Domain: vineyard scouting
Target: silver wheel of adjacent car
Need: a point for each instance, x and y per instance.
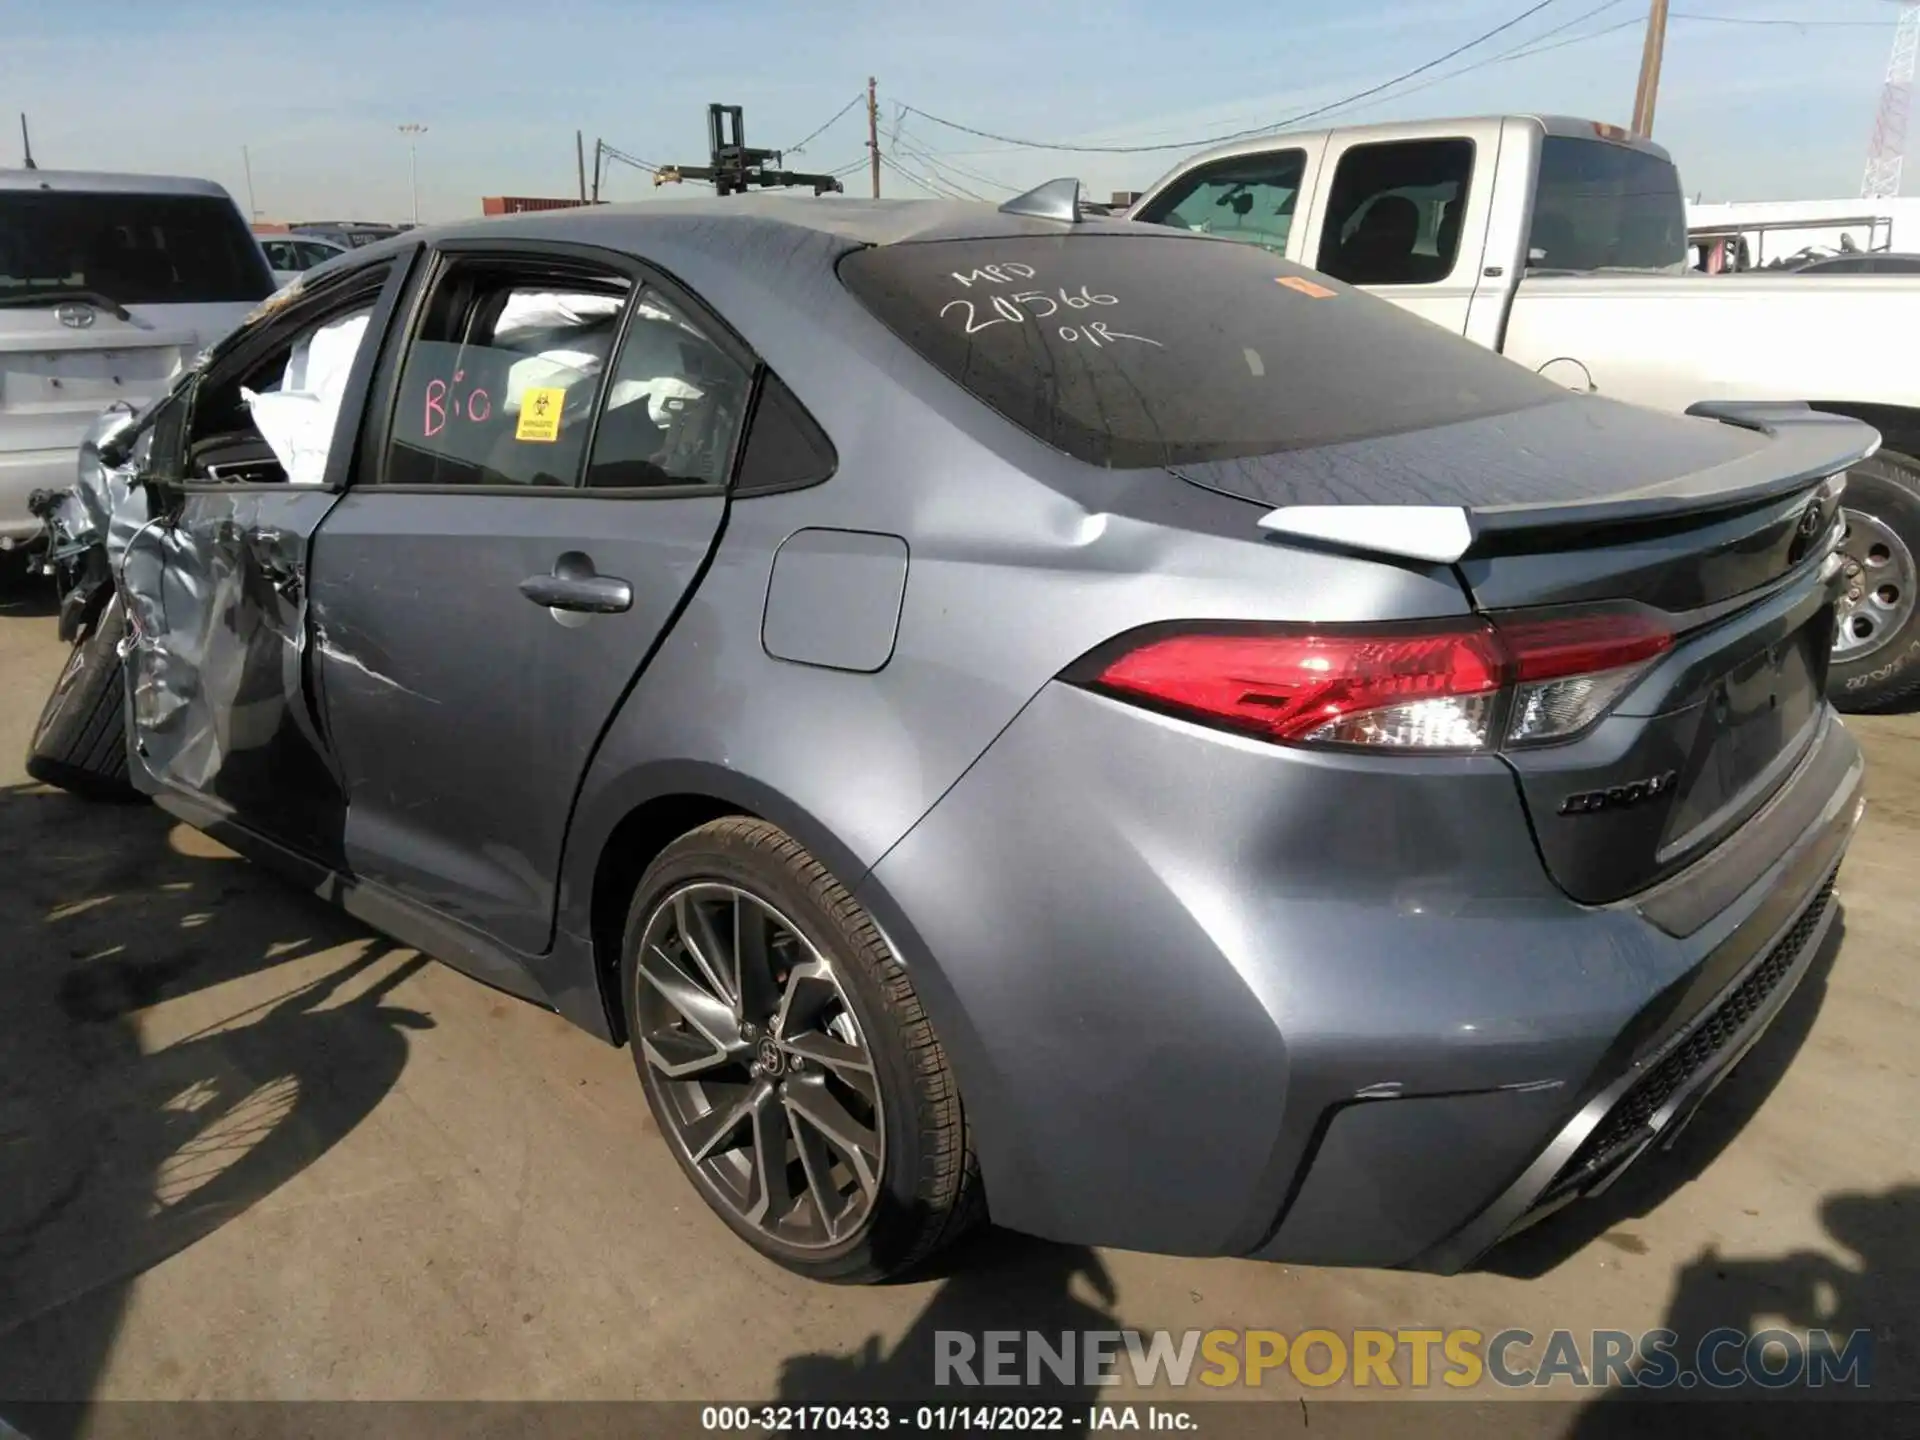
(767, 1081)
(1880, 586)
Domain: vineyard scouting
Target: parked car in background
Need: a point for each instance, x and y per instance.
(294, 255)
(108, 283)
(348, 234)
(1879, 262)
(1007, 705)
(1563, 244)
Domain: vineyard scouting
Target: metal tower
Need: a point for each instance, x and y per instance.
(1888, 153)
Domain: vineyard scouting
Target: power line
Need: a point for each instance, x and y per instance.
(800, 145)
(1526, 47)
(938, 164)
(921, 184)
(624, 158)
(1194, 144)
(1774, 20)
(945, 190)
(1520, 52)
(953, 188)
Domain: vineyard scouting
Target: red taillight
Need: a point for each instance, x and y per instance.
(1452, 685)
(1552, 647)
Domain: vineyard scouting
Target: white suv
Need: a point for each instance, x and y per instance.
(107, 284)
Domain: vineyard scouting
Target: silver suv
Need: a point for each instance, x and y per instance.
(108, 283)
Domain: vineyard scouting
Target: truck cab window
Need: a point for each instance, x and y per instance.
(1394, 211)
(1602, 206)
(1244, 197)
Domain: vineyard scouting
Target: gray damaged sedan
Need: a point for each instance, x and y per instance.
(1003, 708)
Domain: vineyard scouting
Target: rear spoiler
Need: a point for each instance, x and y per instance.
(1807, 446)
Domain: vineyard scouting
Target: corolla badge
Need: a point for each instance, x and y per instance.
(75, 317)
(1617, 797)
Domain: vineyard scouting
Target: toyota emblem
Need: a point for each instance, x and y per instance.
(1812, 524)
(75, 317)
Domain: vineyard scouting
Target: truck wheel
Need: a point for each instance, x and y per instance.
(1876, 652)
(80, 744)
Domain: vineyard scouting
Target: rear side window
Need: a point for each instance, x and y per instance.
(499, 383)
(131, 249)
(1245, 197)
(674, 407)
(1600, 206)
(1394, 212)
(785, 448)
(1134, 350)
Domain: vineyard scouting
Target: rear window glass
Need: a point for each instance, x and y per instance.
(1601, 206)
(1156, 349)
(132, 249)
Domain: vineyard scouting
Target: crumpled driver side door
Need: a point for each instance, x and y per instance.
(210, 556)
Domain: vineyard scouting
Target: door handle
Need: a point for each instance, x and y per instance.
(575, 586)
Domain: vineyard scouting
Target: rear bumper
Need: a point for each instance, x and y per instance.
(21, 473)
(1693, 1035)
(1216, 997)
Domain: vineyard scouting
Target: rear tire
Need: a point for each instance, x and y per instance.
(80, 744)
(1876, 658)
(839, 999)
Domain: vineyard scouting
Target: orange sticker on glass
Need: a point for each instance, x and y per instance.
(1305, 287)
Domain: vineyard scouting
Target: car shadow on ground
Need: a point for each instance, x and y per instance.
(1653, 1179)
(1866, 1299)
(128, 1134)
(24, 593)
(995, 1280)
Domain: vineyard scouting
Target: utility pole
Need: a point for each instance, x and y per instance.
(26, 143)
(580, 162)
(1649, 88)
(253, 210)
(873, 134)
(598, 146)
(413, 133)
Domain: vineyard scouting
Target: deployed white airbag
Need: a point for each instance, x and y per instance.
(298, 419)
(527, 311)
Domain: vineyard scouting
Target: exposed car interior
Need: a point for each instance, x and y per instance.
(466, 408)
(268, 417)
(500, 384)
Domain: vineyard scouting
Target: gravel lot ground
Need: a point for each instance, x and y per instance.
(250, 1150)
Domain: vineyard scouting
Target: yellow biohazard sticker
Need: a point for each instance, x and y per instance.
(540, 415)
(1305, 287)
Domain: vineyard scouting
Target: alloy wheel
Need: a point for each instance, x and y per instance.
(761, 1071)
(1880, 576)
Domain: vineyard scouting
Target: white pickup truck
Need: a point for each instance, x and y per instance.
(1562, 244)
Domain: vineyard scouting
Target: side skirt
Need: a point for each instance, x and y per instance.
(404, 920)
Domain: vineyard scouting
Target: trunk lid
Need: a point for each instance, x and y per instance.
(1725, 532)
(56, 376)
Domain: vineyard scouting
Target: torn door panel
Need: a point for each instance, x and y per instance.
(217, 659)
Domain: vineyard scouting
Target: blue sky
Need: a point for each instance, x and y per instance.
(315, 91)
